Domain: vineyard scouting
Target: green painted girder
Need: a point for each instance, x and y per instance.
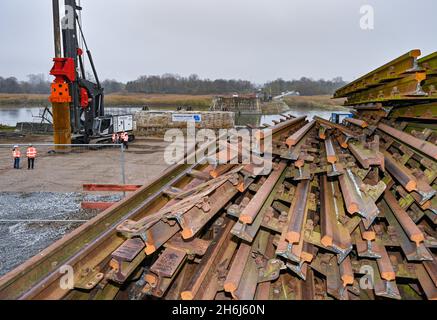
(427, 111)
(430, 85)
(393, 70)
(429, 63)
(406, 88)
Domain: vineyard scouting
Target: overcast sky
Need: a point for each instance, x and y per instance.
(258, 40)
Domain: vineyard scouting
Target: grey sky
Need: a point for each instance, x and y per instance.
(258, 40)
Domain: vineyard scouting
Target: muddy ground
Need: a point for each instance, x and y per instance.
(53, 191)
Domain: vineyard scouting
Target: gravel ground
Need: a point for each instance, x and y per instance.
(54, 191)
(21, 241)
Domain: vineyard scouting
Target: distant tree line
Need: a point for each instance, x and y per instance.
(175, 84)
(36, 83)
(305, 86)
(170, 83)
(112, 86)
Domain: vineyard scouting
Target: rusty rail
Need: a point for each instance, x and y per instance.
(339, 197)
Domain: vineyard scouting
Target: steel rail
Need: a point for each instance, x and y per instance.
(91, 243)
(400, 173)
(345, 130)
(422, 146)
(235, 274)
(407, 88)
(346, 272)
(260, 135)
(251, 211)
(331, 155)
(365, 156)
(31, 281)
(211, 283)
(356, 201)
(195, 282)
(111, 187)
(253, 271)
(298, 135)
(249, 232)
(326, 213)
(297, 212)
(429, 63)
(404, 219)
(384, 265)
(389, 71)
(412, 251)
(359, 123)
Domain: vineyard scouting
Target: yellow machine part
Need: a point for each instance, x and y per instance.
(60, 98)
(61, 125)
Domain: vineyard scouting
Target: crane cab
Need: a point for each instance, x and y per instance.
(107, 125)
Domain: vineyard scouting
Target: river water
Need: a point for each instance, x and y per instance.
(10, 116)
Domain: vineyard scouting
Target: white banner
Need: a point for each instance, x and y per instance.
(187, 118)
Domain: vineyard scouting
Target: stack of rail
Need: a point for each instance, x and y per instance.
(348, 211)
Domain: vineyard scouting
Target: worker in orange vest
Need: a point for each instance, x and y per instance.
(114, 138)
(31, 155)
(125, 140)
(16, 154)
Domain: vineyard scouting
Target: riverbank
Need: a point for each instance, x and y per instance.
(324, 102)
(21, 100)
(5, 128)
(27, 110)
(166, 101)
(161, 101)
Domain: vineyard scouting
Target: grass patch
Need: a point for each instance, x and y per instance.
(164, 101)
(6, 128)
(274, 107)
(159, 100)
(22, 100)
(315, 102)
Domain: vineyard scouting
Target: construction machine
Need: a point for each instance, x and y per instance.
(77, 96)
(339, 117)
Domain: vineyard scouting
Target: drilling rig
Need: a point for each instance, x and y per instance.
(77, 96)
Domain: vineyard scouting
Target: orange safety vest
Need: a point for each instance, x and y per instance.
(31, 153)
(114, 137)
(16, 153)
(126, 137)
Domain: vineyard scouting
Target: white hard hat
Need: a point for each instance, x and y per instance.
(15, 147)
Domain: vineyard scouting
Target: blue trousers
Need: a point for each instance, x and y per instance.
(16, 163)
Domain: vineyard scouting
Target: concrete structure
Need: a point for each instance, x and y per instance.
(237, 103)
(155, 123)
